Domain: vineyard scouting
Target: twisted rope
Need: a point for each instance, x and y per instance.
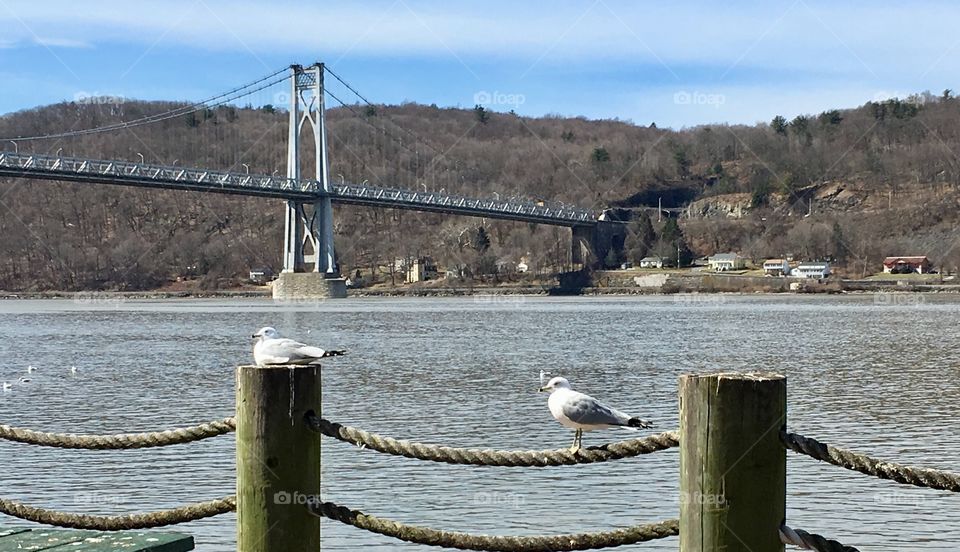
(810, 541)
(488, 457)
(921, 477)
(466, 541)
(183, 514)
(121, 440)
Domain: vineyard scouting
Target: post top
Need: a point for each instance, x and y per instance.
(747, 376)
(277, 366)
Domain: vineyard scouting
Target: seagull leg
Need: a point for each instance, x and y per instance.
(577, 436)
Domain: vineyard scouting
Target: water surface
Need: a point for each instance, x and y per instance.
(877, 375)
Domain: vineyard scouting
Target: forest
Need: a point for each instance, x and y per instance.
(849, 185)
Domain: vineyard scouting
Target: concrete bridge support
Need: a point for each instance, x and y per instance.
(591, 245)
(310, 268)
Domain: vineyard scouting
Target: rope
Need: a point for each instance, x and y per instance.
(122, 440)
(810, 541)
(466, 541)
(921, 477)
(488, 457)
(190, 512)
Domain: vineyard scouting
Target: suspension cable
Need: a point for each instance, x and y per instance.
(213, 101)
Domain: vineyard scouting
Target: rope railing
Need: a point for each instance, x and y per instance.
(467, 541)
(183, 514)
(489, 457)
(120, 440)
(907, 475)
(811, 541)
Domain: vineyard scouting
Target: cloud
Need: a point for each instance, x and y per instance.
(61, 42)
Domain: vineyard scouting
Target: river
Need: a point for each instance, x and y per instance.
(874, 373)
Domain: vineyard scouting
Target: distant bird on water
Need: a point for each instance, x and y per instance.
(23, 380)
(7, 386)
(31, 369)
(585, 413)
(273, 349)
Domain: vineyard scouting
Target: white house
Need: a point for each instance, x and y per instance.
(776, 267)
(653, 262)
(814, 269)
(721, 262)
(522, 267)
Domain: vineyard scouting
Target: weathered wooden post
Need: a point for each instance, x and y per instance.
(278, 458)
(733, 468)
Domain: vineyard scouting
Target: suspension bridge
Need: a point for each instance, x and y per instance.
(310, 265)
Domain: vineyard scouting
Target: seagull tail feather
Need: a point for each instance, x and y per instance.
(339, 352)
(637, 422)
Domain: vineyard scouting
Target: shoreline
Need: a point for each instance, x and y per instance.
(82, 297)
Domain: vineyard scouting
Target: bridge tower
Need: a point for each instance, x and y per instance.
(309, 261)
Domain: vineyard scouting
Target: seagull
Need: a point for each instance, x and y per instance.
(585, 413)
(73, 370)
(30, 369)
(544, 378)
(7, 386)
(273, 349)
(23, 380)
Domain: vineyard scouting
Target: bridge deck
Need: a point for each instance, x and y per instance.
(102, 171)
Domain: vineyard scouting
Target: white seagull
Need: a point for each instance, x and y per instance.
(273, 349)
(7, 386)
(23, 380)
(30, 369)
(585, 413)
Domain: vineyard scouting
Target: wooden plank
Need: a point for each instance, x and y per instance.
(134, 541)
(42, 539)
(19, 539)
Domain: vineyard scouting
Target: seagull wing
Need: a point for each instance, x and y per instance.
(584, 409)
(288, 351)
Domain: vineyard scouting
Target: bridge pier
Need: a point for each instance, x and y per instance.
(310, 268)
(591, 245)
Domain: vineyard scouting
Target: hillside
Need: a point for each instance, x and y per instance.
(853, 185)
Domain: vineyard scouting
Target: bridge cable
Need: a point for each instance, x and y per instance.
(359, 95)
(217, 100)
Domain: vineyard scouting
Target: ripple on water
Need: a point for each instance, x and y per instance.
(875, 378)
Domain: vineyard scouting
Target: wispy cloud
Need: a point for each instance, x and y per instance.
(55, 42)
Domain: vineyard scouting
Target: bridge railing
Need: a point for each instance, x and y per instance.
(102, 168)
(73, 168)
(413, 197)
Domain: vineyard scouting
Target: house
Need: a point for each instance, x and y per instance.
(261, 276)
(906, 265)
(721, 262)
(522, 267)
(776, 267)
(654, 262)
(812, 269)
(421, 269)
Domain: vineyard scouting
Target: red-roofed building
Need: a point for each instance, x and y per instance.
(906, 265)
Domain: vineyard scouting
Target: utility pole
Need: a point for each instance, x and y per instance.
(659, 209)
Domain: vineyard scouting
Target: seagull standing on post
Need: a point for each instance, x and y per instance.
(585, 413)
(273, 349)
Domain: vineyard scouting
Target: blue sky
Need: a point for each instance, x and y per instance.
(678, 64)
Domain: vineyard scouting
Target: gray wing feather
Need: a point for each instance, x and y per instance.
(588, 411)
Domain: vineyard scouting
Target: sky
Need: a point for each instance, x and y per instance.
(678, 64)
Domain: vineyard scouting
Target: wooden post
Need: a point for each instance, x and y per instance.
(733, 468)
(278, 458)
